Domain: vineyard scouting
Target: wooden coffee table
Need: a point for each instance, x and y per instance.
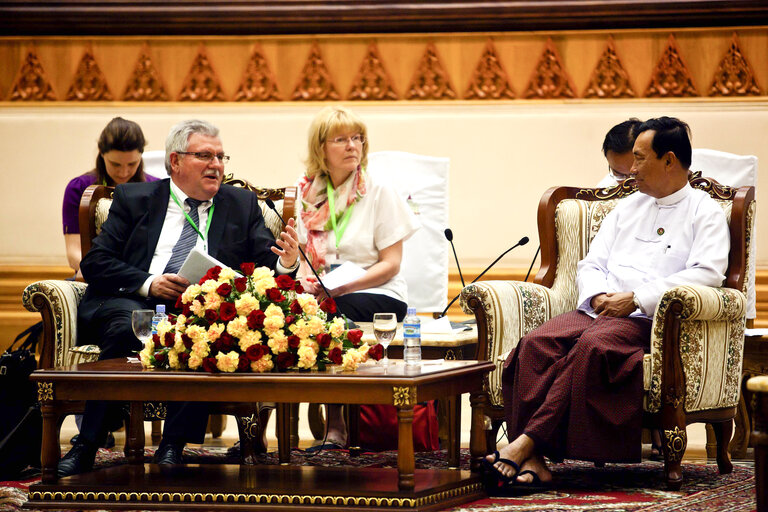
(143, 486)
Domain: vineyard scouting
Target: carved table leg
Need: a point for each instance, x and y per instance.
(477, 441)
(453, 414)
(134, 435)
(406, 463)
(51, 452)
(759, 386)
(284, 432)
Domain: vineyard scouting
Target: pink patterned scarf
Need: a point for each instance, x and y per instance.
(315, 210)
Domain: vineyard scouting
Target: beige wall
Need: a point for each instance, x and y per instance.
(503, 156)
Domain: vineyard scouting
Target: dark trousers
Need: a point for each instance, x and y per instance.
(110, 329)
(360, 307)
(575, 386)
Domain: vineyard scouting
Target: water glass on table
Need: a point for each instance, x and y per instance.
(141, 322)
(384, 328)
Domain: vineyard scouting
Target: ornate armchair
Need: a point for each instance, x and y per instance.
(693, 371)
(57, 302)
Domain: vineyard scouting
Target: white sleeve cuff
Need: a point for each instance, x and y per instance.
(144, 290)
(284, 270)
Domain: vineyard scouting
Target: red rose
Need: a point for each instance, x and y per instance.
(324, 339)
(354, 335)
(275, 295)
(289, 319)
(211, 315)
(168, 341)
(227, 342)
(255, 352)
(247, 268)
(335, 355)
(284, 282)
(209, 364)
(160, 357)
(243, 364)
(183, 357)
(214, 272)
(227, 311)
(256, 319)
(156, 339)
(203, 279)
(201, 299)
(295, 307)
(224, 289)
(328, 305)
(293, 341)
(285, 360)
(297, 286)
(179, 304)
(187, 341)
(241, 283)
(376, 352)
(186, 310)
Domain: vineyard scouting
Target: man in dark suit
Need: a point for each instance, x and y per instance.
(133, 264)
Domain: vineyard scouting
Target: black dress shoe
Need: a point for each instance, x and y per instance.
(78, 460)
(168, 453)
(109, 443)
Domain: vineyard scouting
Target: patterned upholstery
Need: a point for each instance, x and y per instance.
(712, 368)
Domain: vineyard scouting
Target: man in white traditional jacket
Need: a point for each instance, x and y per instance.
(573, 387)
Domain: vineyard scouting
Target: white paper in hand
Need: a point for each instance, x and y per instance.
(197, 264)
(343, 274)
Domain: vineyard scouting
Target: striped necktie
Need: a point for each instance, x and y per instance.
(187, 240)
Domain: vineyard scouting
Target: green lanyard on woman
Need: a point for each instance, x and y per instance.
(191, 222)
(338, 229)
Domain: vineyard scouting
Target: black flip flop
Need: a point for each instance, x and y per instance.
(326, 446)
(493, 480)
(518, 488)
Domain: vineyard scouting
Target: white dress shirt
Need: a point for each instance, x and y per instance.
(647, 245)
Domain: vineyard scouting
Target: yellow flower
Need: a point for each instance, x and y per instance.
(226, 275)
(214, 331)
(261, 285)
(190, 293)
(278, 342)
(273, 311)
(227, 362)
(201, 349)
(197, 333)
(212, 301)
(197, 308)
(299, 328)
(149, 345)
(163, 327)
(237, 326)
(307, 357)
(144, 356)
(209, 286)
(308, 303)
(351, 359)
(248, 339)
(337, 327)
(363, 350)
(315, 325)
(246, 303)
(173, 360)
(264, 364)
(194, 361)
(178, 343)
(181, 324)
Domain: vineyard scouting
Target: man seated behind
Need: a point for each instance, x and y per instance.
(573, 387)
(617, 148)
(134, 262)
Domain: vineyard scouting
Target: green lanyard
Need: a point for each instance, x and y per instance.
(191, 222)
(339, 230)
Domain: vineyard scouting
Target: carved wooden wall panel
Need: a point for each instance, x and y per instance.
(89, 83)
(671, 78)
(734, 76)
(550, 80)
(430, 82)
(31, 84)
(315, 82)
(499, 67)
(489, 80)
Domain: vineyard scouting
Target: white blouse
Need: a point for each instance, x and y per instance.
(647, 245)
(380, 219)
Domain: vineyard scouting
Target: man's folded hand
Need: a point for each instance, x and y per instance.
(614, 304)
(168, 286)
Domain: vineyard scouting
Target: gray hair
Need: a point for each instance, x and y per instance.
(178, 137)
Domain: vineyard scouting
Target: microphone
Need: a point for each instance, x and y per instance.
(520, 242)
(449, 236)
(271, 206)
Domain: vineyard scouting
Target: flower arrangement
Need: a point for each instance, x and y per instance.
(257, 322)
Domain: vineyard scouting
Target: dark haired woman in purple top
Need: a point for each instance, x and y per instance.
(121, 144)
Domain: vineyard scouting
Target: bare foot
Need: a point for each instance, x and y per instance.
(538, 466)
(517, 451)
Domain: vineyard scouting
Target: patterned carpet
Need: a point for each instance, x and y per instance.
(579, 486)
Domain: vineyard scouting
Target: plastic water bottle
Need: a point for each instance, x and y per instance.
(158, 317)
(412, 338)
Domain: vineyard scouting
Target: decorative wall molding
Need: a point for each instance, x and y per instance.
(372, 81)
(145, 83)
(609, 79)
(549, 79)
(489, 80)
(671, 78)
(236, 17)
(734, 76)
(258, 83)
(89, 83)
(31, 84)
(430, 82)
(315, 83)
(201, 83)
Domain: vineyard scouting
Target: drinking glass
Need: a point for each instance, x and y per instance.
(141, 321)
(384, 328)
